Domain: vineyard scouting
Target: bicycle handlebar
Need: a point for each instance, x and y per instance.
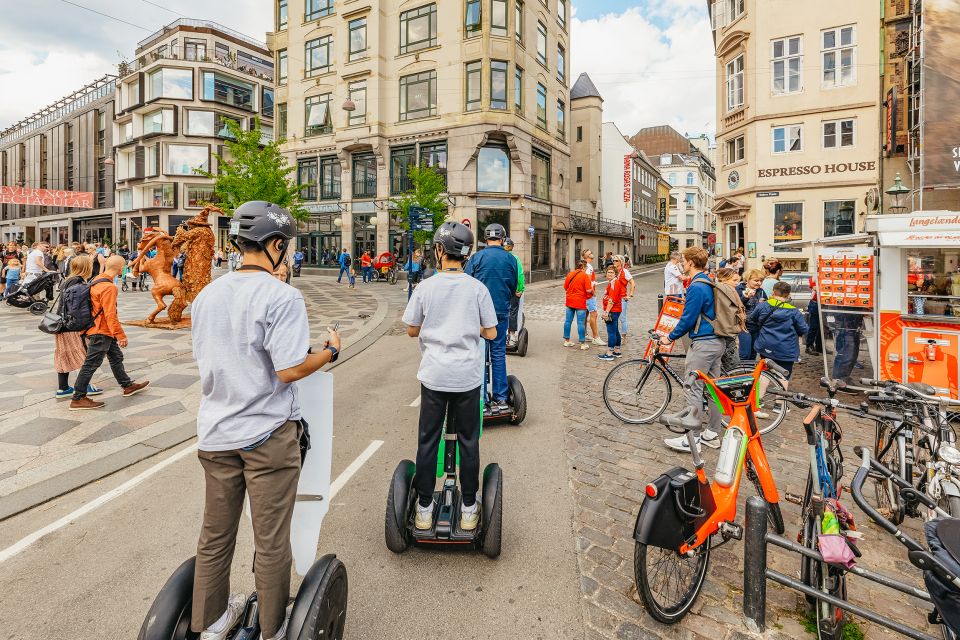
(910, 390)
(803, 400)
(773, 366)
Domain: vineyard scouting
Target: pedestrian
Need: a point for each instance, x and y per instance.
(414, 266)
(97, 258)
(10, 274)
(847, 334)
(588, 258)
(781, 325)
(629, 286)
(352, 275)
(178, 263)
(104, 338)
(773, 272)
(11, 253)
(514, 323)
(673, 276)
(612, 308)
(37, 265)
(607, 260)
(69, 352)
(751, 294)
(67, 258)
(814, 339)
(579, 288)
(219, 255)
(705, 350)
(366, 264)
(729, 279)
(345, 263)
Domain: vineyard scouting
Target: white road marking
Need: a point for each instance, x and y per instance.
(415, 403)
(347, 473)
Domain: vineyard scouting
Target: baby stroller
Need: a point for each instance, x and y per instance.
(32, 295)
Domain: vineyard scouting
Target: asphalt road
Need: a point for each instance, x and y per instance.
(96, 577)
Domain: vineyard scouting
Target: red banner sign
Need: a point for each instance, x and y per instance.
(627, 178)
(46, 197)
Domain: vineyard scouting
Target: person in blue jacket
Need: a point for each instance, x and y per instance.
(497, 270)
(344, 262)
(780, 326)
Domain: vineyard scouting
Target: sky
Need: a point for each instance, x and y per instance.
(652, 60)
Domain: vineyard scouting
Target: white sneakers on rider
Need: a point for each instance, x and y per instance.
(682, 444)
(469, 516)
(222, 627)
(424, 519)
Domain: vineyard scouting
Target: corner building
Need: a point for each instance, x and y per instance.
(798, 88)
(477, 89)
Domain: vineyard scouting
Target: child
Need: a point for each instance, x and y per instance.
(612, 307)
(728, 277)
(780, 325)
(11, 273)
(452, 314)
(751, 295)
(352, 274)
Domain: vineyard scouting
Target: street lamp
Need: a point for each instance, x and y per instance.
(338, 222)
(897, 191)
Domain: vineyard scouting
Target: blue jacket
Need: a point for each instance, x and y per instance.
(698, 301)
(780, 324)
(496, 269)
(342, 260)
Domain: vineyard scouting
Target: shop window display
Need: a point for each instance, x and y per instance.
(933, 282)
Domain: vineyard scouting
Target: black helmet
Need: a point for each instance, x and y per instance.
(258, 221)
(495, 232)
(455, 238)
(508, 243)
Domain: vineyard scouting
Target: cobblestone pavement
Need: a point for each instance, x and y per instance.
(610, 464)
(46, 450)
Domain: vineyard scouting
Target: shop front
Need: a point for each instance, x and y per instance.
(365, 228)
(320, 239)
(55, 232)
(92, 230)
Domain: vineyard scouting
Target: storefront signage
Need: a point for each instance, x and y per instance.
(627, 178)
(322, 208)
(890, 134)
(364, 207)
(493, 203)
(46, 197)
(768, 194)
(817, 169)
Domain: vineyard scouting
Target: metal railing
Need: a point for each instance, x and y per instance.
(600, 226)
(365, 188)
(204, 24)
(196, 54)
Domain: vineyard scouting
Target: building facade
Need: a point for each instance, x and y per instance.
(797, 123)
(477, 90)
(173, 101)
(646, 208)
(66, 147)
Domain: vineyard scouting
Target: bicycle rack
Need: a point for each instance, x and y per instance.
(756, 573)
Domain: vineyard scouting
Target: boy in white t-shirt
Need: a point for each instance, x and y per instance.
(587, 256)
(452, 314)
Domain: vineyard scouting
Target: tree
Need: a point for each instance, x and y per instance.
(255, 171)
(427, 185)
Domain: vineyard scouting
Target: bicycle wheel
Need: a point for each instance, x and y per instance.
(667, 582)
(774, 515)
(889, 503)
(775, 408)
(637, 391)
(826, 579)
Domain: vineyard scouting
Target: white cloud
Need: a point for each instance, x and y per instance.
(652, 67)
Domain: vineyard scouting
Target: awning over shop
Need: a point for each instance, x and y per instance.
(930, 239)
(844, 241)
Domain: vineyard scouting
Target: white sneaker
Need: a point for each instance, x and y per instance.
(761, 415)
(681, 444)
(568, 344)
(469, 516)
(584, 346)
(220, 629)
(598, 341)
(710, 438)
(424, 519)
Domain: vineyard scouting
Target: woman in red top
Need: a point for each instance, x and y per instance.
(366, 262)
(612, 308)
(579, 289)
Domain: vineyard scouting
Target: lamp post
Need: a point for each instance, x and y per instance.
(897, 191)
(115, 216)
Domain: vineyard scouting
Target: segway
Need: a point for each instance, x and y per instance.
(516, 400)
(518, 346)
(320, 607)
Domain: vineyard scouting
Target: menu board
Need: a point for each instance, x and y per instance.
(846, 277)
(667, 322)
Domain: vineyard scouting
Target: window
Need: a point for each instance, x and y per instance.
(182, 159)
(201, 123)
(541, 106)
(673, 180)
(418, 95)
(281, 15)
(735, 150)
(358, 94)
(282, 121)
(282, 66)
(838, 134)
(317, 9)
(194, 49)
(473, 18)
(734, 9)
(151, 161)
(418, 28)
(434, 155)
(579, 174)
(493, 170)
(266, 102)
(220, 124)
(540, 175)
(691, 222)
(159, 121)
(358, 38)
(579, 134)
(221, 51)
(930, 276)
(540, 242)
(562, 119)
(689, 199)
(199, 195)
(317, 114)
(170, 83)
(161, 196)
(330, 178)
(364, 175)
(474, 92)
(562, 13)
(498, 84)
(839, 57)
(787, 65)
(788, 138)
(498, 17)
(690, 178)
(307, 179)
(735, 83)
(125, 200)
(518, 90)
(318, 55)
(400, 162)
(227, 90)
(561, 64)
(787, 223)
(542, 43)
(838, 217)
(518, 21)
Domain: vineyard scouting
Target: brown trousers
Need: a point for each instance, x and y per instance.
(269, 474)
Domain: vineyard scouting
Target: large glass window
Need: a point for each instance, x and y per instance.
(358, 94)
(125, 200)
(735, 83)
(518, 20)
(282, 66)
(787, 65)
(307, 179)
(418, 95)
(498, 17)
(542, 43)
(498, 84)
(281, 15)
(317, 9)
(933, 287)
(541, 106)
(161, 196)
(183, 159)
(838, 134)
(200, 195)
(540, 175)
(266, 103)
(317, 114)
(473, 19)
(735, 9)
(418, 28)
(358, 38)
(226, 90)
(330, 178)
(561, 64)
(788, 138)
(562, 119)
(434, 155)
(194, 49)
(493, 170)
(401, 159)
(474, 82)
(518, 90)
(735, 150)
(838, 217)
(151, 161)
(318, 55)
(364, 175)
(159, 121)
(839, 57)
(787, 223)
(282, 121)
(170, 83)
(562, 13)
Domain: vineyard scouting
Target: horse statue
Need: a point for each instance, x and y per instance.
(197, 242)
(160, 267)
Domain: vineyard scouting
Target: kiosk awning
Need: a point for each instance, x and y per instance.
(923, 239)
(846, 240)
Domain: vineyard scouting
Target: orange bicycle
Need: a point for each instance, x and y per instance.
(683, 509)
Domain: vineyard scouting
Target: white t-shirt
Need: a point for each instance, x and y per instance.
(593, 277)
(672, 280)
(246, 327)
(32, 266)
(450, 309)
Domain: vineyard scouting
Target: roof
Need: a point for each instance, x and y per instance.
(584, 88)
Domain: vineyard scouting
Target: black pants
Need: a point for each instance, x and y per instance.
(514, 313)
(814, 340)
(462, 412)
(99, 346)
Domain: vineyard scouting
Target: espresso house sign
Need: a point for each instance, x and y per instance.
(818, 169)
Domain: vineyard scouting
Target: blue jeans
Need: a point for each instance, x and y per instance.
(623, 318)
(498, 360)
(367, 274)
(343, 270)
(614, 340)
(581, 323)
(847, 346)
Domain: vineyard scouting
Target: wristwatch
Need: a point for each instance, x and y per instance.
(334, 351)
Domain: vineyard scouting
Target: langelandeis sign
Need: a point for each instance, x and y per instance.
(46, 197)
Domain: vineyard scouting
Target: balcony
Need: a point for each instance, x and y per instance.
(364, 188)
(597, 226)
(245, 65)
(400, 184)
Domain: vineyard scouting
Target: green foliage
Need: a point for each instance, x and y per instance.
(851, 631)
(254, 172)
(426, 188)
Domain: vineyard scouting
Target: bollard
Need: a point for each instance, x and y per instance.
(755, 564)
(659, 303)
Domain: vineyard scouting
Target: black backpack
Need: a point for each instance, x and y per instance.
(76, 308)
(348, 261)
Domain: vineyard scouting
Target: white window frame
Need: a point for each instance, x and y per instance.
(836, 53)
(735, 9)
(785, 59)
(735, 82)
(732, 158)
(787, 129)
(838, 135)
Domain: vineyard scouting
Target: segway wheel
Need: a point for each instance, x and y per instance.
(523, 339)
(517, 400)
(492, 510)
(399, 499)
(320, 608)
(169, 615)
(38, 308)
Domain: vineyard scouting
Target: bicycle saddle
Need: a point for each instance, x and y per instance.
(920, 387)
(684, 419)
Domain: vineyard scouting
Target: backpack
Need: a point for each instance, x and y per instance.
(76, 307)
(347, 261)
(731, 317)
